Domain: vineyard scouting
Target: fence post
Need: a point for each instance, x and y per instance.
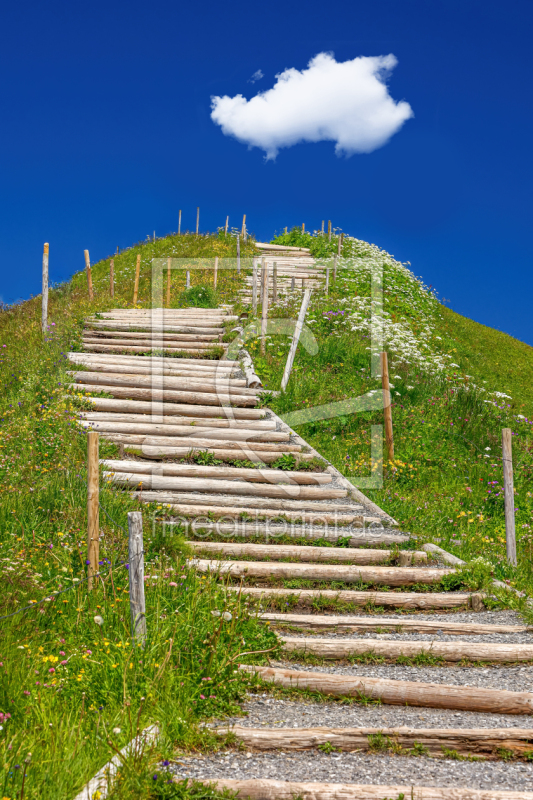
(507, 453)
(238, 254)
(89, 276)
(216, 273)
(327, 280)
(322, 227)
(254, 288)
(295, 339)
(293, 283)
(197, 219)
(243, 231)
(275, 283)
(334, 268)
(264, 309)
(303, 227)
(93, 507)
(44, 306)
(329, 230)
(168, 281)
(112, 277)
(387, 406)
(136, 574)
(137, 273)
(339, 245)
(226, 226)
(179, 222)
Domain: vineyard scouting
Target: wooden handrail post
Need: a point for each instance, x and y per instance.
(89, 276)
(179, 222)
(93, 508)
(275, 283)
(197, 220)
(339, 245)
(226, 226)
(169, 262)
(254, 287)
(215, 277)
(264, 308)
(136, 576)
(387, 406)
(44, 306)
(508, 486)
(112, 277)
(238, 254)
(322, 228)
(303, 227)
(187, 279)
(295, 339)
(137, 273)
(329, 230)
(243, 231)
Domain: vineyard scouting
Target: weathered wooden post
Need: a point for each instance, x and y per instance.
(327, 280)
(44, 305)
(334, 268)
(197, 220)
(137, 273)
(275, 283)
(136, 574)
(93, 508)
(216, 273)
(339, 245)
(264, 308)
(168, 281)
(329, 230)
(508, 486)
(303, 227)
(179, 222)
(89, 276)
(187, 279)
(293, 283)
(112, 277)
(387, 406)
(254, 288)
(238, 254)
(226, 226)
(295, 339)
(243, 231)
(322, 228)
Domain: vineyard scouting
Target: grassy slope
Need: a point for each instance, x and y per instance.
(439, 482)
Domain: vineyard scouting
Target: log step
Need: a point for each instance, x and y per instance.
(154, 381)
(317, 512)
(465, 741)
(270, 531)
(388, 576)
(258, 456)
(391, 692)
(229, 487)
(159, 419)
(166, 396)
(201, 365)
(192, 432)
(244, 447)
(164, 371)
(131, 336)
(129, 348)
(421, 601)
(449, 651)
(269, 789)
(322, 622)
(192, 411)
(193, 328)
(274, 552)
(227, 473)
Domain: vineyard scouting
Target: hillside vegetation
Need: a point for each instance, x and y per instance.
(73, 687)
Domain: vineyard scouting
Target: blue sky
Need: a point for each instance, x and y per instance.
(106, 133)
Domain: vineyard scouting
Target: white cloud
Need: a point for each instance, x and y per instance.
(344, 102)
(256, 76)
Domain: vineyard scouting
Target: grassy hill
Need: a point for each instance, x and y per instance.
(456, 385)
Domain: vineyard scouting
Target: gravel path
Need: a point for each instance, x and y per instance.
(358, 768)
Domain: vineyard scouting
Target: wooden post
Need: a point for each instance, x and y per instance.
(93, 508)
(238, 255)
(188, 279)
(275, 283)
(112, 277)
(327, 280)
(254, 288)
(137, 273)
(334, 268)
(329, 230)
(44, 306)
(387, 406)
(303, 227)
(303, 284)
(243, 231)
(264, 308)
(197, 220)
(262, 278)
(216, 273)
(295, 339)
(168, 281)
(89, 276)
(154, 236)
(179, 222)
(285, 229)
(293, 284)
(339, 245)
(507, 454)
(322, 227)
(136, 575)
(226, 226)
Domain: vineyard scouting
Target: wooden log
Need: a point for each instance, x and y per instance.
(295, 339)
(465, 741)
(409, 600)
(166, 371)
(130, 348)
(174, 409)
(89, 276)
(202, 508)
(137, 273)
(240, 446)
(449, 651)
(136, 577)
(319, 510)
(150, 343)
(310, 553)
(228, 473)
(265, 425)
(388, 576)
(204, 366)
(271, 531)
(139, 327)
(389, 624)
(156, 381)
(169, 396)
(403, 693)
(507, 458)
(229, 487)
(262, 457)
(270, 789)
(387, 411)
(142, 336)
(191, 431)
(253, 381)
